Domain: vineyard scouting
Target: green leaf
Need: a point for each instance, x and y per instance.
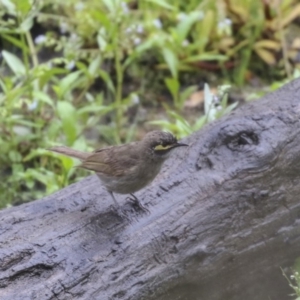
(185, 25)
(165, 125)
(107, 79)
(173, 86)
(18, 168)
(67, 114)
(95, 66)
(94, 109)
(10, 6)
(171, 60)
(183, 127)
(43, 97)
(23, 6)
(230, 108)
(46, 75)
(186, 93)
(205, 29)
(110, 5)
(67, 162)
(209, 107)
(178, 117)
(205, 57)
(53, 130)
(162, 3)
(102, 43)
(27, 24)
(27, 123)
(36, 153)
(67, 82)
(14, 156)
(138, 51)
(14, 63)
(199, 123)
(102, 18)
(15, 41)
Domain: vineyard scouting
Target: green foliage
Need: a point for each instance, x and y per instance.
(97, 48)
(294, 283)
(214, 108)
(273, 87)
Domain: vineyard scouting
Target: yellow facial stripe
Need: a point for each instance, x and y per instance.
(161, 147)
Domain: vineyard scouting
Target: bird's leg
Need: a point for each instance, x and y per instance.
(114, 199)
(136, 201)
(118, 208)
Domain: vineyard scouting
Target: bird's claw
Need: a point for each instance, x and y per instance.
(122, 213)
(135, 201)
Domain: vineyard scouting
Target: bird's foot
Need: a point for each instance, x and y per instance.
(122, 213)
(118, 209)
(135, 201)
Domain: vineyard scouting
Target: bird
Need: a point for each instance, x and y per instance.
(127, 168)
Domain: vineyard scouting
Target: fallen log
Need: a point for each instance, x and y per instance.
(224, 218)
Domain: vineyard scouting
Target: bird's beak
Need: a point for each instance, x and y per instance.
(180, 145)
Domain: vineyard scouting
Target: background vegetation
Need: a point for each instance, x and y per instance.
(91, 73)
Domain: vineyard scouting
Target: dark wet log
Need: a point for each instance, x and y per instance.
(225, 217)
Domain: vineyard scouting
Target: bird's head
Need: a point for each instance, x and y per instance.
(161, 143)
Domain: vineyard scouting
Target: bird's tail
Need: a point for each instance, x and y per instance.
(70, 152)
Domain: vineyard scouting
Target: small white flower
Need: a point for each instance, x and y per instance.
(216, 99)
(129, 29)
(137, 41)
(157, 23)
(135, 99)
(224, 27)
(201, 15)
(40, 39)
(63, 26)
(185, 43)
(33, 105)
(125, 7)
(228, 21)
(224, 23)
(181, 16)
(79, 6)
(74, 37)
(139, 28)
(70, 65)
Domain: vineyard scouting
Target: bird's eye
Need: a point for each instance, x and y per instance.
(162, 147)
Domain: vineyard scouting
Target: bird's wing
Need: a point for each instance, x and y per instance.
(113, 161)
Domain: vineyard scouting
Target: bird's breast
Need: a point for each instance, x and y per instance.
(134, 179)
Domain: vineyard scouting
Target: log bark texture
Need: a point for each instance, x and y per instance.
(224, 218)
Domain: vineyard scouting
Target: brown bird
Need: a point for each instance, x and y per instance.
(127, 168)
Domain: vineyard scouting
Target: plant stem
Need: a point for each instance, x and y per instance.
(25, 56)
(32, 49)
(119, 85)
(283, 43)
